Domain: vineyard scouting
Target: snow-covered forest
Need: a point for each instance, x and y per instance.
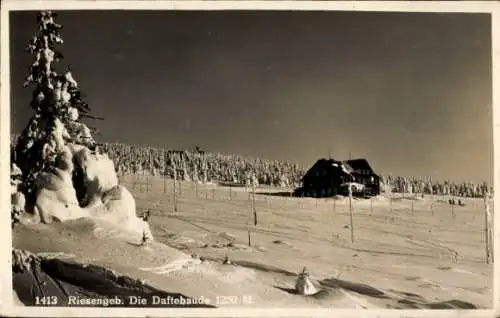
(211, 166)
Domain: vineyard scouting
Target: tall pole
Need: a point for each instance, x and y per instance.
(350, 214)
(164, 171)
(183, 171)
(253, 202)
(254, 209)
(175, 194)
(149, 184)
(487, 229)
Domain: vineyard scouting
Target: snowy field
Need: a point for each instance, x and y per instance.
(423, 246)
(408, 252)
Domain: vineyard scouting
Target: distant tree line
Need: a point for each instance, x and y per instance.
(196, 165)
(428, 186)
(200, 166)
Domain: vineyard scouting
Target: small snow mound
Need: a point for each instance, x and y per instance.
(304, 285)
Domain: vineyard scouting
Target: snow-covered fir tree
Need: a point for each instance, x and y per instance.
(57, 104)
(185, 173)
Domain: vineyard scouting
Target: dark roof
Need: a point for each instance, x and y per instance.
(327, 163)
(324, 164)
(358, 165)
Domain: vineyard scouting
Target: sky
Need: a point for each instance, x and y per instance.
(410, 92)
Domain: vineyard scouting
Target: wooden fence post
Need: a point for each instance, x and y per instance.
(350, 214)
(175, 192)
(487, 230)
(151, 168)
(253, 204)
(180, 186)
(254, 212)
(165, 172)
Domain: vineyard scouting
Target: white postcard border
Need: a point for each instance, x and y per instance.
(6, 305)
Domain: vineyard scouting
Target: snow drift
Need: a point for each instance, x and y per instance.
(103, 198)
